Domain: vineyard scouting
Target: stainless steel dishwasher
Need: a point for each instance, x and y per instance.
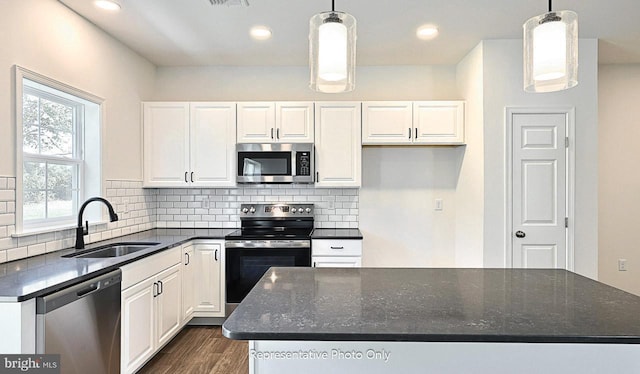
(82, 324)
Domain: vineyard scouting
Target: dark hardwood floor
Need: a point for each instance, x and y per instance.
(200, 349)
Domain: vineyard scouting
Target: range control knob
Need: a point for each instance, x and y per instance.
(245, 210)
(252, 210)
(293, 210)
(308, 210)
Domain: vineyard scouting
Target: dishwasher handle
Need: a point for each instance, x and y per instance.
(48, 303)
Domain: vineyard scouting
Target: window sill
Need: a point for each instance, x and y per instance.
(46, 230)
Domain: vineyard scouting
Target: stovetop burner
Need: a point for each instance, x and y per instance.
(274, 221)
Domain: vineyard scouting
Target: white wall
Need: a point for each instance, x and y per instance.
(470, 189)
(46, 37)
(619, 180)
(280, 83)
(503, 88)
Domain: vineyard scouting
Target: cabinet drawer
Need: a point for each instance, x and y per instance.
(140, 270)
(321, 247)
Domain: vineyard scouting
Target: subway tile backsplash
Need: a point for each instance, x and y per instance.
(219, 208)
(142, 209)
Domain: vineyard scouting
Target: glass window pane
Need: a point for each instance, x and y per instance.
(60, 205)
(56, 129)
(34, 205)
(34, 176)
(30, 125)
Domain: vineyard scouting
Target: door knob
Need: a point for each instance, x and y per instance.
(520, 234)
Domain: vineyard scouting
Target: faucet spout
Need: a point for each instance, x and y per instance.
(82, 231)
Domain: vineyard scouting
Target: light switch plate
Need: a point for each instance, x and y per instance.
(438, 204)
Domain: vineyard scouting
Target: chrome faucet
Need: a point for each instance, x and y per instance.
(82, 231)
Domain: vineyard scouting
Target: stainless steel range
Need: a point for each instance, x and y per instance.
(270, 235)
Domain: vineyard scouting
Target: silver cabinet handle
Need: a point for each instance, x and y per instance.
(185, 177)
(155, 289)
(416, 137)
(215, 255)
(278, 133)
(188, 259)
(520, 234)
(332, 247)
(191, 177)
(161, 288)
(314, 264)
(272, 133)
(409, 132)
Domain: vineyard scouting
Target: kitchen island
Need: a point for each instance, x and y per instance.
(379, 320)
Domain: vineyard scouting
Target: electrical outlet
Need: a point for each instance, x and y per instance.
(622, 264)
(205, 202)
(438, 204)
(331, 204)
(125, 206)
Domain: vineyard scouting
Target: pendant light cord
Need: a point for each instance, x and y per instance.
(550, 5)
(333, 5)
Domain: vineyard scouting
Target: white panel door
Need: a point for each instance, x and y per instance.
(256, 122)
(294, 122)
(337, 262)
(213, 144)
(438, 122)
(539, 190)
(169, 303)
(188, 283)
(166, 144)
(338, 144)
(138, 325)
(208, 296)
(387, 122)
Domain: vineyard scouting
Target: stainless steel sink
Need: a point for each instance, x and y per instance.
(113, 250)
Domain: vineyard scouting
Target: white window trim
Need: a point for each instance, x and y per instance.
(21, 74)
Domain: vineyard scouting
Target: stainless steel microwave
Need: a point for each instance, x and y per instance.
(275, 163)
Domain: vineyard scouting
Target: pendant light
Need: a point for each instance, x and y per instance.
(332, 51)
(551, 51)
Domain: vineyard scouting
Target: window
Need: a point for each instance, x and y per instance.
(59, 156)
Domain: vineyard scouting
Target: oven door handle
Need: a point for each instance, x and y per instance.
(267, 244)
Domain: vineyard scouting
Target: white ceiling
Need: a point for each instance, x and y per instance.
(193, 32)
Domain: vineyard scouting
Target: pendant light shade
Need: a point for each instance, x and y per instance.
(332, 52)
(551, 51)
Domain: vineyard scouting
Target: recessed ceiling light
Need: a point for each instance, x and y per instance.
(260, 32)
(427, 32)
(110, 5)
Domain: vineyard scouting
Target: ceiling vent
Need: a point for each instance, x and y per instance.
(244, 3)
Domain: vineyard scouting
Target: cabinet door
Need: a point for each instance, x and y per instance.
(256, 122)
(208, 295)
(338, 144)
(138, 325)
(337, 262)
(169, 304)
(213, 144)
(188, 283)
(294, 122)
(166, 144)
(438, 122)
(387, 122)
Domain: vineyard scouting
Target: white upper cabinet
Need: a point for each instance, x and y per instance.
(189, 144)
(338, 144)
(438, 122)
(419, 122)
(213, 144)
(166, 144)
(268, 122)
(387, 122)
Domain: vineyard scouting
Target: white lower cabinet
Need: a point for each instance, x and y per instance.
(151, 307)
(336, 253)
(188, 282)
(209, 278)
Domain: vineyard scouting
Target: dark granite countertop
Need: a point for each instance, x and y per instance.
(435, 305)
(336, 234)
(39, 275)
